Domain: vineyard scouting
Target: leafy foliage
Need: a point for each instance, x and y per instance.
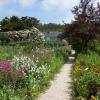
(29, 72)
(51, 27)
(85, 70)
(15, 23)
(32, 35)
(85, 27)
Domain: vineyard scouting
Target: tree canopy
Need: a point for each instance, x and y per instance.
(86, 25)
(15, 23)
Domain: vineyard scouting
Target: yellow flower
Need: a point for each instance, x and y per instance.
(93, 98)
(77, 69)
(84, 99)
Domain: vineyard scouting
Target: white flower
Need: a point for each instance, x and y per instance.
(86, 69)
(31, 67)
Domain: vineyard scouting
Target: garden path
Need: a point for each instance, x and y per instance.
(60, 86)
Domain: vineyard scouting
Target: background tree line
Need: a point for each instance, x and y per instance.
(15, 23)
(51, 27)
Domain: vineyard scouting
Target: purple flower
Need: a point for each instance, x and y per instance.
(5, 65)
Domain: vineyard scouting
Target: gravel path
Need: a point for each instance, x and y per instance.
(60, 86)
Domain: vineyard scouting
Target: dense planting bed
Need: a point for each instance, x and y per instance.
(25, 71)
(86, 71)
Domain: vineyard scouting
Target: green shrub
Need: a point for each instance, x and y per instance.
(7, 52)
(53, 43)
(94, 45)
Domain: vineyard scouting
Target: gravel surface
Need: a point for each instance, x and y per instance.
(60, 86)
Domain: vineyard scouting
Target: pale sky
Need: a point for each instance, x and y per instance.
(45, 10)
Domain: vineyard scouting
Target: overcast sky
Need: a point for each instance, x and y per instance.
(45, 10)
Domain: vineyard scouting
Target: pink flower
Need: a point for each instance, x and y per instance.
(22, 69)
(5, 65)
